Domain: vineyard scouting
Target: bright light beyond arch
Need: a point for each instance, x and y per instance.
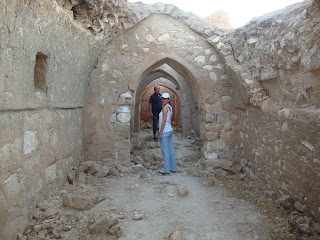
(240, 12)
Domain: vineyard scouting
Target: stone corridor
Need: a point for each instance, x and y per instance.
(73, 74)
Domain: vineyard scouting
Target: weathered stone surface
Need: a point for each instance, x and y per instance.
(82, 178)
(286, 202)
(300, 206)
(175, 236)
(137, 216)
(103, 171)
(316, 227)
(265, 73)
(81, 197)
(182, 191)
(123, 117)
(101, 225)
(30, 142)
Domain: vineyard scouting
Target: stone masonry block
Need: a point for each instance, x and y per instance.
(212, 127)
(223, 119)
(13, 188)
(32, 163)
(32, 185)
(51, 172)
(209, 117)
(123, 117)
(216, 145)
(8, 150)
(124, 109)
(122, 144)
(122, 127)
(210, 155)
(30, 142)
(211, 136)
(122, 154)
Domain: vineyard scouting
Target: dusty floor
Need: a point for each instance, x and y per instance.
(179, 202)
(148, 205)
(207, 212)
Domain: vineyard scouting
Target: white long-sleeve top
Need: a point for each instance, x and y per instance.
(167, 126)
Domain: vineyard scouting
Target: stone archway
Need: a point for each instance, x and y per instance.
(165, 86)
(170, 69)
(136, 58)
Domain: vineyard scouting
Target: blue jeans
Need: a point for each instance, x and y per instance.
(168, 153)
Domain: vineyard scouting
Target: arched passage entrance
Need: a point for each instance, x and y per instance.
(133, 61)
(170, 70)
(165, 86)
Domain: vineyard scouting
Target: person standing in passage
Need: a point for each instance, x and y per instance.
(155, 107)
(165, 136)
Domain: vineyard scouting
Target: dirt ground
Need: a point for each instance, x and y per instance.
(143, 204)
(194, 206)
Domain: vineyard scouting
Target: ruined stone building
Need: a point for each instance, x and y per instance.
(72, 76)
(219, 19)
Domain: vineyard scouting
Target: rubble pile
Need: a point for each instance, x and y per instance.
(285, 217)
(152, 162)
(89, 170)
(63, 215)
(51, 220)
(66, 215)
(145, 125)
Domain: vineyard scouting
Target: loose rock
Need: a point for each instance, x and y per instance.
(182, 191)
(175, 236)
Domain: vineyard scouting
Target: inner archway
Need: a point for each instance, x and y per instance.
(188, 115)
(146, 117)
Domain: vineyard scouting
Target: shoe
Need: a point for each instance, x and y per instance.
(173, 171)
(162, 172)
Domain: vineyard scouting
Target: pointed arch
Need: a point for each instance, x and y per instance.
(175, 64)
(182, 76)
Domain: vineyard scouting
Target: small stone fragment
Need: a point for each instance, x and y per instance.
(137, 217)
(143, 175)
(81, 178)
(175, 236)
(211, 181)
(304, 228)
(300, 207)
(101, 225)
(182, 191)
(121, 216)
(286, 202)
(103, 171)
(316, 227)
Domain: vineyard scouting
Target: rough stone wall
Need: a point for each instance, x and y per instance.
(276, 58)
(135, 54)
(257, 90)
(100, 16)
(40, 122)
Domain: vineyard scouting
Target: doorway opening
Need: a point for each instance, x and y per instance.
(173, 78)
(146, 117)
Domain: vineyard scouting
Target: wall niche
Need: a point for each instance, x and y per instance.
(40, 72)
